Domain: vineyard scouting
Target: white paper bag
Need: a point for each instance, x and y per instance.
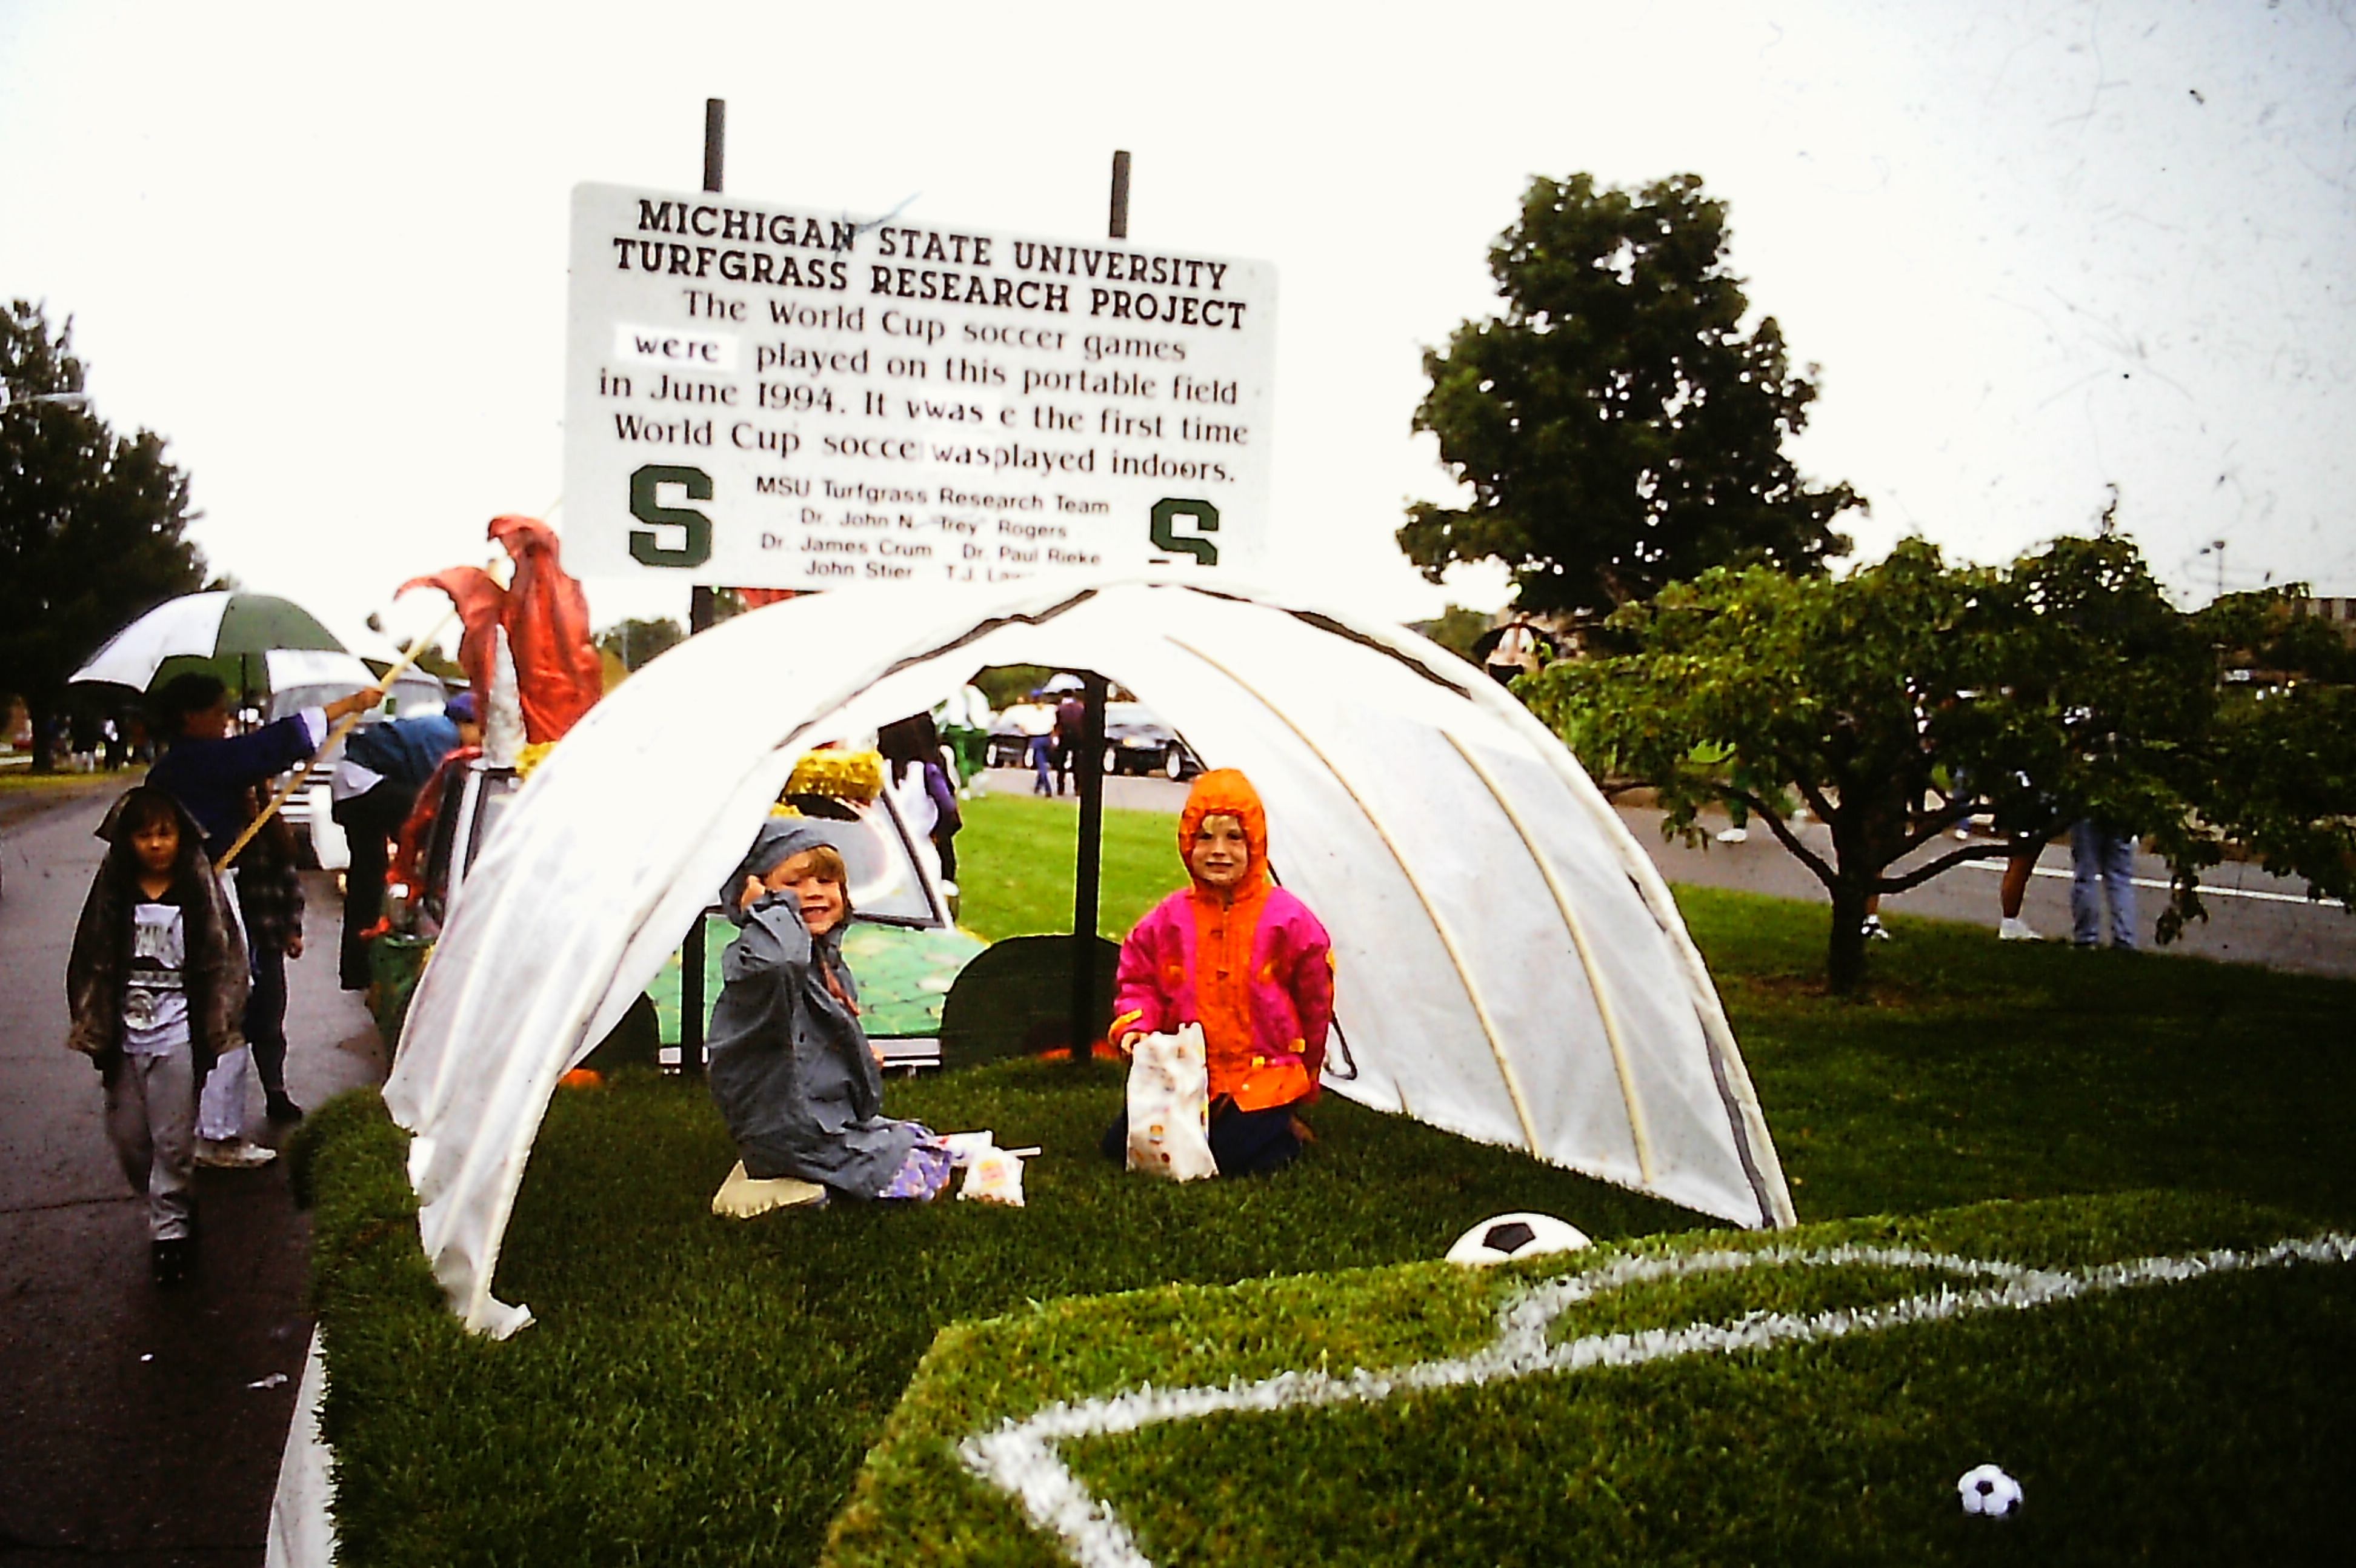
(995, 1176)
(1170, 1106)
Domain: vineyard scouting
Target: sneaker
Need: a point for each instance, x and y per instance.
(233, 1154)
(169, 1261)
(1874, 930)
(1734, 835)
(282, 1108)
(2016, 929)
(741, 1196)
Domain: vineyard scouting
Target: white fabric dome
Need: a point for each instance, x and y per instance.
(1509, 964)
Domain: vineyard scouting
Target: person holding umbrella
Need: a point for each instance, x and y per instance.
(211, 773)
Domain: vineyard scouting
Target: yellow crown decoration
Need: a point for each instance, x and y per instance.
(844, 775)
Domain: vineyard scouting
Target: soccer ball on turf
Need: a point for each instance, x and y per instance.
(1510, 1236)
(1989, 1492)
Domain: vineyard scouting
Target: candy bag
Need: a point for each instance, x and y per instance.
(1170, 1106)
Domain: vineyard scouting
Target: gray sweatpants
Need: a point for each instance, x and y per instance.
(151, 1115)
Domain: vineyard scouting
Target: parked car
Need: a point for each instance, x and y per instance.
(1135, 743)
(1010, 742)
(1138, 742)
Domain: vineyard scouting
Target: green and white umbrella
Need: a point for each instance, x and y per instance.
(253, 643)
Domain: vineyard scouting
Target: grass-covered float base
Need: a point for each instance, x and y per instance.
(700, 1390)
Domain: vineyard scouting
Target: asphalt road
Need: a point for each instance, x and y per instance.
(2253, 918)
(130, 1430)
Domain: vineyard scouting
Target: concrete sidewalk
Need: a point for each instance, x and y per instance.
(132, 1433)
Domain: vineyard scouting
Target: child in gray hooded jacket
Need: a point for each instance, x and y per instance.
(790, 1068)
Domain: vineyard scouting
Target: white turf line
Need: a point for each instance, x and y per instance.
(1020, 1458)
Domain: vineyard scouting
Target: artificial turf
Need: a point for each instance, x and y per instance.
(2202, 1421)
(703, 1392)
(700, 1390)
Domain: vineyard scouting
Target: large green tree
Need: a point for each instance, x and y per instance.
(1618, 427)
(636, 641)
(92, 525)
(1899, 700)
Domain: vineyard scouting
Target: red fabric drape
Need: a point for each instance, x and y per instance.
(558, 675)
(547, 618)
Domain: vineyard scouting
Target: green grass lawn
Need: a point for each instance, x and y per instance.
(1975, 1068)
(1016, 860)
(704, 1391)
(24, 781)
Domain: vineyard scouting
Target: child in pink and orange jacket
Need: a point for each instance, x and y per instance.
(1248, 962)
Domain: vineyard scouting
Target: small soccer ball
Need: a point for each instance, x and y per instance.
(1509, 1236)
(1989, 1492)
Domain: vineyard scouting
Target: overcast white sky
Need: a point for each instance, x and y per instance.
(2038, 249)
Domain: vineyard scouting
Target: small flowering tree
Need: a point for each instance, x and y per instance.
(1900, 699)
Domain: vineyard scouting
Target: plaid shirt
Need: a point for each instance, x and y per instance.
(269, 888)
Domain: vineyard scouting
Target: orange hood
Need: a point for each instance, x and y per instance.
(1225, 791)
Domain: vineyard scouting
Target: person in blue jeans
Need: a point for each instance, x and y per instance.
(1043, 764)
(2101, 870)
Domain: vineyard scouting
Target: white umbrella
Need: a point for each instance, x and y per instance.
(252, 641)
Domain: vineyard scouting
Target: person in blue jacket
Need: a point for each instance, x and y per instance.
(375, 786)
(211, 773)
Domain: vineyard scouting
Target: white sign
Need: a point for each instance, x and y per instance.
(769, 397)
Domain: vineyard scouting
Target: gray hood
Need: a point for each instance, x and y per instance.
(780, 838)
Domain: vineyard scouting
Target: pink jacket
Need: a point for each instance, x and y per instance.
(1290, 996)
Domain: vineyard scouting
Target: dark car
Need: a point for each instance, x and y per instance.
(1138, 742)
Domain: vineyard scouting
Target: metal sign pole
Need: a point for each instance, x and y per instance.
(1088, 870)
(1089, 768)
(699, 619)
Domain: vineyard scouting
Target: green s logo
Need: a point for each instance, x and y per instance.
(1166, 513)
(646, 545)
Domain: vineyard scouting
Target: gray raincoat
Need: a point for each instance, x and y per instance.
(790, 1067)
